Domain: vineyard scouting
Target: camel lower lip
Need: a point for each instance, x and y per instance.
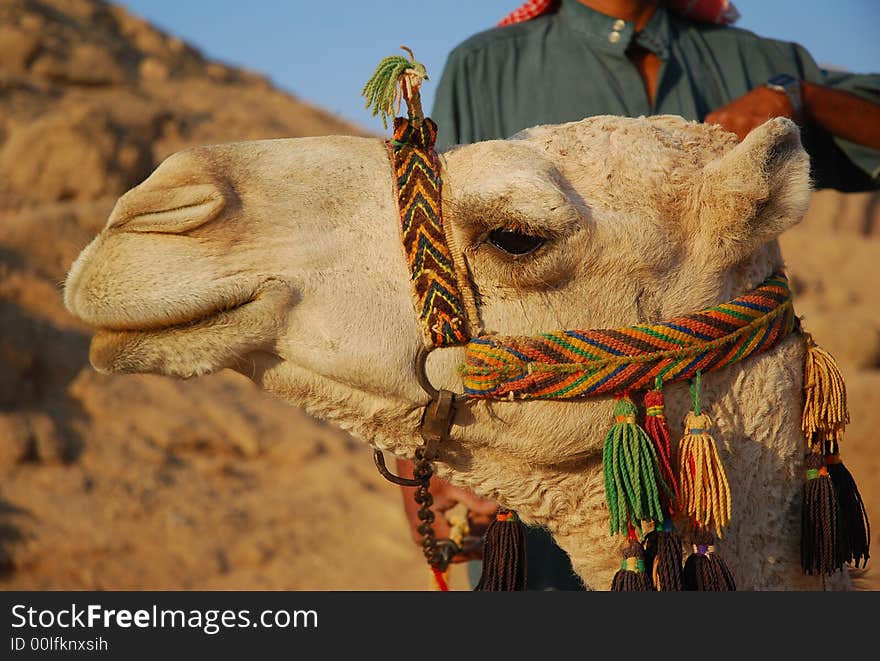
(217, 340)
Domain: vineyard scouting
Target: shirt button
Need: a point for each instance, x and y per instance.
(614, 37)
(619, 24)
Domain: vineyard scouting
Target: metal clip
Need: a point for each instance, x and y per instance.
(438, 414)
(436, 422)
(379, 459)
(434, 427)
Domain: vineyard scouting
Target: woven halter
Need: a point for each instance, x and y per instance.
(566, 363)
(572, 363)
(646, 483)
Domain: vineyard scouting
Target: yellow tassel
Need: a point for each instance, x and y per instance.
(705, 493)
(825, 410)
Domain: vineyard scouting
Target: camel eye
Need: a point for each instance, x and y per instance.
(515, 243)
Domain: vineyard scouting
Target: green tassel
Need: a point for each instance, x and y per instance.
(384, 89)
(629, 462)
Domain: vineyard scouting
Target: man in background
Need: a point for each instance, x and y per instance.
(555, 61)
(639, 57)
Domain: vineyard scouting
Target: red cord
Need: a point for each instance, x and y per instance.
(441, 580)
(631, 532)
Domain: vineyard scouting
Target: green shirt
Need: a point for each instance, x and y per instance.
(572, 64)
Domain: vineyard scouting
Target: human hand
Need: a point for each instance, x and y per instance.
(446, 496)
(751, 110)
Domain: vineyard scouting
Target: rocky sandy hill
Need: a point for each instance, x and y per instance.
(141, 482)
(147, 482)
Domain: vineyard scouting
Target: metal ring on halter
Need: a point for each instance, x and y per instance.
(437, 418)
(422, 373)
(434, 426)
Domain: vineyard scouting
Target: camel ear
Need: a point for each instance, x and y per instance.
(754, 192)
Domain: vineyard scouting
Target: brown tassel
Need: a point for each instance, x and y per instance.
(705, 570)
(504, 557)
(657, 429)
(663, 558)
(855, 529)
(631, 577)
(821, 541)
(825, 410)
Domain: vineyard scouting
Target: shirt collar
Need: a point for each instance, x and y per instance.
(614, 34)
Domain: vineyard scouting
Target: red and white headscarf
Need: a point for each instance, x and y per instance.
(720, 12)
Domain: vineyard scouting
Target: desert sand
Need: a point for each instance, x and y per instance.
(146, 482)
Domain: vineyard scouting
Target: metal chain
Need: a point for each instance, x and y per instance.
(423, 470)
(438, 552)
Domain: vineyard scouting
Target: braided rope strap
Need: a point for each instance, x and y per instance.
(574, 363)
(438, 299)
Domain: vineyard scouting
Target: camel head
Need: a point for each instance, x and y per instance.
(282, 259)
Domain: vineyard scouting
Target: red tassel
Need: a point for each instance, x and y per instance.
(658, 431)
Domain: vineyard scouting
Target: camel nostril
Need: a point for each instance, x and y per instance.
(174, 210)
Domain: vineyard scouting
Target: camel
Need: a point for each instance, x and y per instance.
(282, 260)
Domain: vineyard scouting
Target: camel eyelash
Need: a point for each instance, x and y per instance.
(489, 227)
(513, 242)
(483, 217)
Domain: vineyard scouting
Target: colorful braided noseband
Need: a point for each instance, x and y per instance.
(651, 485)
(573, 363)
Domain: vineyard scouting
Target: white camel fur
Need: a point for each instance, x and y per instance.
(282, 259)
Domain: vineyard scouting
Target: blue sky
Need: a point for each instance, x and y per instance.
(323, 52)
